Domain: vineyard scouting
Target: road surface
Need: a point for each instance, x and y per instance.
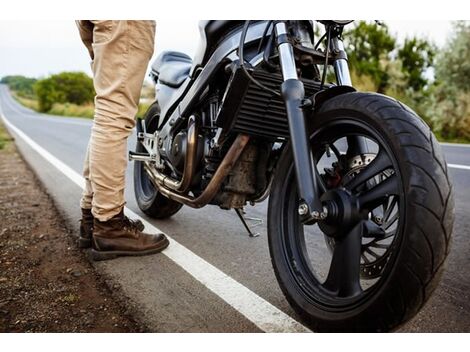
(219, 279)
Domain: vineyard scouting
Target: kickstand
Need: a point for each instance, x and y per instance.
(243, 219)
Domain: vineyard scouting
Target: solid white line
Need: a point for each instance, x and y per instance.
(457, 145)
(458, 166)
(259, 311)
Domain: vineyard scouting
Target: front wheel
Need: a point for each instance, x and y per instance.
(377, 273)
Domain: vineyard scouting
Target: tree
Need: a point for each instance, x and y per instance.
(20, 84)
(453, 65)
(450, 104)
(368, 46)
(417, 56)
(65, 87)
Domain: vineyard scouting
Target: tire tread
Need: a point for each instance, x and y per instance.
(425, 247)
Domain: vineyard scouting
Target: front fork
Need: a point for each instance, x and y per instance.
(356, 145)
(293, 92)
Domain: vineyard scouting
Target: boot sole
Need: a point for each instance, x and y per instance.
(96, 255)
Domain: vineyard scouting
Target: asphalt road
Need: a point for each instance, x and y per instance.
(167, 297)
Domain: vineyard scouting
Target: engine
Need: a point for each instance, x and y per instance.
(221, 117)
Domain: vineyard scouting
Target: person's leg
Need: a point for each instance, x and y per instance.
(122, 50)
(87, 194)
(86, 223)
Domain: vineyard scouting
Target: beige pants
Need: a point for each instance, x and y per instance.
(120, 51)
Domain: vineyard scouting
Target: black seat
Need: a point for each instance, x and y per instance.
(172, 68)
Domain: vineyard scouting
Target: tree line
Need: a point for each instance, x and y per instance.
(435, 82)
(65, 87)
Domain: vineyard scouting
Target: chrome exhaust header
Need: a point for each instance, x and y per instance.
(164, 183)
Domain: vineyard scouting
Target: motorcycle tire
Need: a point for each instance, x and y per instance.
(423, 226)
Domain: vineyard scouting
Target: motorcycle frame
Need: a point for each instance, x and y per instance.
(293, 93)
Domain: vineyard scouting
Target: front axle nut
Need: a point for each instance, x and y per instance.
(303, 209)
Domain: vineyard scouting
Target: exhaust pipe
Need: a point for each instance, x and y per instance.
(182, 185)
(162, 182)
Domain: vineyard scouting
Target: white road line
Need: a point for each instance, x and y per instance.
(458, 166)
(259, 311)
(456, 145)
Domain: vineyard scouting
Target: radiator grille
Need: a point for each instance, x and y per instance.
(263, 114)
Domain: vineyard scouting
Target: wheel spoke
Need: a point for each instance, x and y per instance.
(366, 261)
(378, 245)
(389, 209)
(380, 163)
(375, 255)
(344, 274)
(391, 221)
(377, 195)
(356, 145)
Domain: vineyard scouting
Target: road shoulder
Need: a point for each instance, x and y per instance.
(46, 284)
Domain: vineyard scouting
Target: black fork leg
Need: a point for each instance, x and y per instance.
(293, 93)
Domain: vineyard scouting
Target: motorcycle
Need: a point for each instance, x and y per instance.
(252, 116)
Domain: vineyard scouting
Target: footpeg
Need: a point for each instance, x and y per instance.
(135, 156)
(256, 222)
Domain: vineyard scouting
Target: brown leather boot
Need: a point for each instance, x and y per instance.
(86, 228)
(120, 236)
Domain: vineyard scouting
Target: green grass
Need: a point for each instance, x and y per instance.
(27, 102)
(73, 110)
(5, 138)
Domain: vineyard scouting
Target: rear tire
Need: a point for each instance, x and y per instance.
(415, 267)
(149, 200)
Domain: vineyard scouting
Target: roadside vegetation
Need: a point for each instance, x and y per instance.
(4, 137)
(435, 82)
(63, 94)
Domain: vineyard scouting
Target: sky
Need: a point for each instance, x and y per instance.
(41, 48)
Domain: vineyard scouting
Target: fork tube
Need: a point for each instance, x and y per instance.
(356, 144)
(286, 54)
(293, 93)
(343, 77)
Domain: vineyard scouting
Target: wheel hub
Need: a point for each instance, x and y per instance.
(343, 212)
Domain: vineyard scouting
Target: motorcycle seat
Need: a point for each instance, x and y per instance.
(172, 68)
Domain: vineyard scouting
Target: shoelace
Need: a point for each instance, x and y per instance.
(133, 224)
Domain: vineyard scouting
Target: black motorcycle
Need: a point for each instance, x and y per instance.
(360, 205)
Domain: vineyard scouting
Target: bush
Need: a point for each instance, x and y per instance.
(66, 87)
(20, 84)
